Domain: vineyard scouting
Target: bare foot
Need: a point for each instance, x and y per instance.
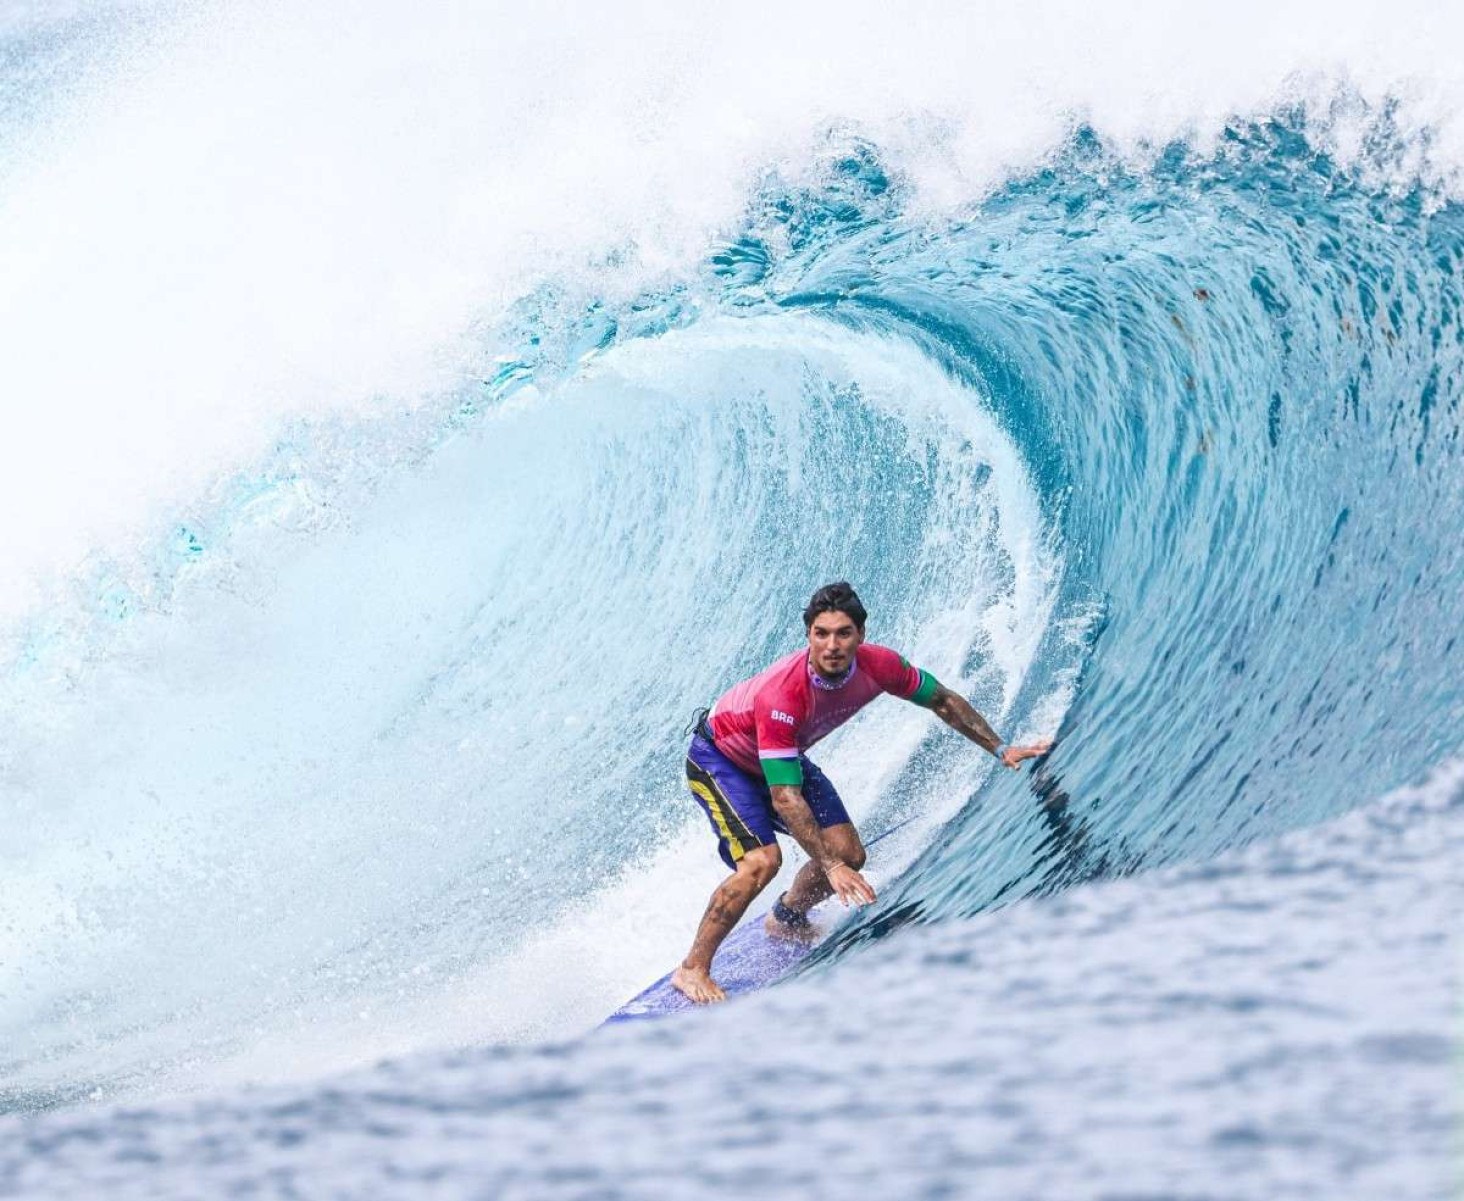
(776, 929)
(697, 984)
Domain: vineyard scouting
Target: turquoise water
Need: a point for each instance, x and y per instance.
(1276, 1022)
(371, 747)
(1237, 382)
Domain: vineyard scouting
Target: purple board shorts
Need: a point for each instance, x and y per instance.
(740, 805)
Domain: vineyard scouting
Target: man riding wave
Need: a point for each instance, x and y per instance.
(747, 769)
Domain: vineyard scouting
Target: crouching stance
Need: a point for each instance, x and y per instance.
(747, 770)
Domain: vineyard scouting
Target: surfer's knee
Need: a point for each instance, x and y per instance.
(761, 864)
(856, 856)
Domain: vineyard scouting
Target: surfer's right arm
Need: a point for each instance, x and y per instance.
(778, 721)
(848, 885)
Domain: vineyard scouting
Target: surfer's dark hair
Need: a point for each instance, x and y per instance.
(835, 598)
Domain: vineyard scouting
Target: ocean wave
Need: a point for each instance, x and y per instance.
(1158, 457)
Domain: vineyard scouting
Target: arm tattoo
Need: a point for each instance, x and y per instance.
(956, 711)
(798, 817)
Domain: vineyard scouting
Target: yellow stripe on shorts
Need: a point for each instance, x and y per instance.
(715, 808)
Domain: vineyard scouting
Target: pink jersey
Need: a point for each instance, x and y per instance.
(763, 724)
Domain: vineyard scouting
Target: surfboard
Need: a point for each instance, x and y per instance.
(746, 961)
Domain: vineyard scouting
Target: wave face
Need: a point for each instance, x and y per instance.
(1163, 460)
(1236, 380)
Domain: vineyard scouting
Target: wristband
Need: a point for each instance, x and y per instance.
(1001, 749)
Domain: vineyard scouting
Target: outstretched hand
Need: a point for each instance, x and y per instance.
(1014, 755)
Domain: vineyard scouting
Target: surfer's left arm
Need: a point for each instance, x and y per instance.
(958, 713)
(899, 677)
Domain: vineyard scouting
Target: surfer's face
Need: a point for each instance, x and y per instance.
(832, 640)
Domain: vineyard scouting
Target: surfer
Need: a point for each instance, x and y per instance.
(748, 771)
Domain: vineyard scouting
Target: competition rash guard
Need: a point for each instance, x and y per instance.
(763, 724)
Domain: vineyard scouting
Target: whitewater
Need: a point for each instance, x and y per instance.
(410, 418)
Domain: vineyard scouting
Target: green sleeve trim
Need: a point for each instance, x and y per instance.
(780, 772)
(925, 694)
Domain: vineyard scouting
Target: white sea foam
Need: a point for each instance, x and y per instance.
(280, 209)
